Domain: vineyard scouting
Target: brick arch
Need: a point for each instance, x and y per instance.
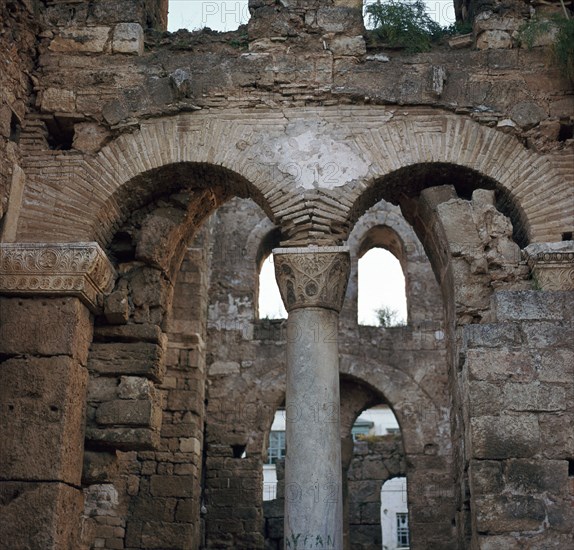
(414, 151)
(96, 192)
(313, 170)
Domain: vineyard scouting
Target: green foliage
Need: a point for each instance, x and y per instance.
(241, 39)
(404, 23)
(388, 317)
(458, 27)
(563, 48)
(534, 29)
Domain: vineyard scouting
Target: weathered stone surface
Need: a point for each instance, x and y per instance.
(494, 39)
(505, 436)
(128, 38)
(499, 514)
(130, 333)
(58, 100)
(54, 507)
(127, 359)
(532, 305)
(42, 424)
(500, 365)
(81, 40)
(89, 137)
(124, 439)
(222, 368)
(171, 486)
(527, 114)
(55, 326)
(129, 412)
(99, 467)
(354, 45)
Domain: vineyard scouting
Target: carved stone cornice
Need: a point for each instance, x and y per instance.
(312, 277)
(56, 269)
(552, 264)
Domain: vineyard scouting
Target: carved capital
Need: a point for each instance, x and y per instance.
(312, 277)
(552, 264)
(56, 269)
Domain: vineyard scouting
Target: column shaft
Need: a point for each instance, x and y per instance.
(313, 284)
(313, 491)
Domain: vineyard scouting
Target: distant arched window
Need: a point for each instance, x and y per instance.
(218, 15)
(269, 302)
(382, 297)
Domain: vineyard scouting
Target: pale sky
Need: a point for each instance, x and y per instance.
(227, 15)
(381, 283)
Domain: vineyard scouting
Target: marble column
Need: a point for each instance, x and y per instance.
(312, 282)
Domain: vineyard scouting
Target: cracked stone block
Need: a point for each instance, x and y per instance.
(128, 38)
(39, 515)
(81, 40)
(42, 420)
(58, 100)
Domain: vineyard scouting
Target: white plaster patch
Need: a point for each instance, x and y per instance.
(309, 158)
(236, 314)
(100, 500)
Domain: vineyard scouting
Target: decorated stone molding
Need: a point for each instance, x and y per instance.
(56, 269)
(312, 277)
(552, 264)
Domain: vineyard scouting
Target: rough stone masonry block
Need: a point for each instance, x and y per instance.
(128, 38)
(39, 515)
(130, 412)
(57, 100)
(536, 396)
(497, 437)
(537, 476)
(533, 305)
(141, 359)
(42, 418)
(503, 514)
(81, 40)
(45, 326)
(493, 335)
(500, 365)
(172, 486)
(124, 439)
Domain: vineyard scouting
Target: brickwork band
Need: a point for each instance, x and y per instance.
(313, 283)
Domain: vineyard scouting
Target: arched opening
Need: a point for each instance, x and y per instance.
(153, 337)
(270, 304)
(382, 297)
(395, 514)
(377, 457)
(217, 15)
(268, 298)
(275, 455)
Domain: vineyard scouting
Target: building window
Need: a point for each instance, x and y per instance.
(362, 428)
(403, 530)
(276, 450)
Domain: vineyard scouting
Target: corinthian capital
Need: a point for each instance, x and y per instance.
(312, 277)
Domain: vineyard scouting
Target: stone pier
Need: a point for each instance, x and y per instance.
(313, 283)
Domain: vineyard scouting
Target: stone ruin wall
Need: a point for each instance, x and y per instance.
(179, 373)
